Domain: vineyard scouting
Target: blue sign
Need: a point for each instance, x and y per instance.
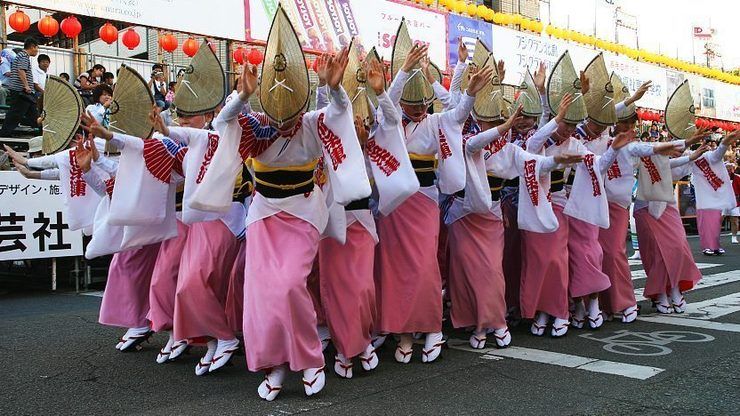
(469, 30)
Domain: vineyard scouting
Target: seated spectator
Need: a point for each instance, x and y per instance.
(170, 93)
(6, 59)
(21, 98)
(64, 76)
(87, 81)
(102, 97)
(108, 79)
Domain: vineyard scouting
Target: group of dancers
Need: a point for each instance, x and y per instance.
(358, 220)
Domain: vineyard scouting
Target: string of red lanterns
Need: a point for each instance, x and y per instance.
(190, 47)
(131, 39)
(19, 21)
(71, 27)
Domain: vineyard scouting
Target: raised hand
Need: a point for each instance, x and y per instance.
(585, 83)
(157, 123)
(699, 134)
(696, 154)
(90, 125)
(249, 80)
(321, 68)
(361, 130)
(16, 157)
(669, 149)
(90, 145)
(83, 156)
(731, 138)
(425, 64)
(568, 159)
(500, 66)
(639, 93)
(375, 74)
(564, 106)
(413, 58)
(623, 139)
(479, 79)
(515, 117)
(539, 78)
(462, 50)
(335, 68)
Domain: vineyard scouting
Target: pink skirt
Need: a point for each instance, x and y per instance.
(443, 253)
(476, 280)
(348, 289)
(512, 252)
(126, 297)
(164, 280)
(621, 294)
(235, 293)
(709, 223)
(409, 286)
(279, 318)
(584, 259)
(205, 268)
(665, 252)
(545, 270)
(314, 289)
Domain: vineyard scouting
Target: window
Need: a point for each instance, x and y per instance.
(707, 98)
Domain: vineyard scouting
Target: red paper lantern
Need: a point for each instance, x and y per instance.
(446, 82)
(48, 26)
(255, 56)
(239, 55)
(168, 42)
(71, 27)
(131, 39)
(190, 47)
(19, 21)
(108, 33)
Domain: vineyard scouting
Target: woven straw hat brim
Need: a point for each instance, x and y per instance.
(565, 80)
(528, 97)
(284, 82)
(61, 115)
(354, 82)
(203, 87)
(131, 105)
(372, 55)
(680, 114)
(489, 103)
(417, 90)
(621, 93)
(600, 97)
(480, 56)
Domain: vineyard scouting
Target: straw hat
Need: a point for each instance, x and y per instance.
(132, 102)
(621, 93)
(417, 89)
(203, 87)
(528, 97)
(35, 144)
(61, 115)
(480, 56)
(509, 94)
(680, 113)
(600, 96)
(489, 102)
(373, 56)
(354, 83)
(565, 80)
(284, 84)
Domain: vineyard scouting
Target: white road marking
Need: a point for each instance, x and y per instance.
(640, 274)
(713, 308)
(692, 323)
(707, 281)
(97, 293)
(639, 372)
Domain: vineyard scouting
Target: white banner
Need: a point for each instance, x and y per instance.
(225, 20)
(326, 25)
(32, 224)
(520, 50)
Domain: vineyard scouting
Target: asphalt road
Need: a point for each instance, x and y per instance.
(58, 360)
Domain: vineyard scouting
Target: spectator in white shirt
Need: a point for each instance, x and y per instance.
(39, 66)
